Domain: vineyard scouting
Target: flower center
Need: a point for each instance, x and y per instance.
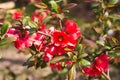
(60, 38)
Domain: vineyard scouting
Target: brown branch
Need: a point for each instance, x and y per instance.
(106, 76)
(44, 33)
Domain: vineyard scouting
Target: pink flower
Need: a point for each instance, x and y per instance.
(70, 26)
(12, 32)
(21, 39)
(56, 66)
(92, 71)
(51, 50)
(17, 15)
(72, 29)
(69, 63)
(59, 38)
(36, 15)
(47, 57)
(40, 16)
(100, 65)
(38, 41)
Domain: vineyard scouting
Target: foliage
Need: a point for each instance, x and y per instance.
(44, 29)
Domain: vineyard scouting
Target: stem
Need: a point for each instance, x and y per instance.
(110, 48)
(82, 70)
(60, 24)
(44, 34)
(106, 76)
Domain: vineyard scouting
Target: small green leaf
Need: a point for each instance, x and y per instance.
(64, 71)
(100, 42)
(79, 48)
(54, 5)
(116, 42)
(25, 21)
(72, 73)
(40, 5)
(83, 55)
(6, 41)
(46, 19)
(95, 4)
(43, 64)
(113, 1)
(29, 64)
(60, 16)
(84, 62)
(57, 58)
(32, 24)
(4, 28)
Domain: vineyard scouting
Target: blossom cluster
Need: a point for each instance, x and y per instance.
(99, 66)
(51, 41)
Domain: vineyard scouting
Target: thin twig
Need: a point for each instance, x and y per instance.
(60, 24)
(108, 72)
(81, 69)
(44, 34)
(110, 48)
(106, 76)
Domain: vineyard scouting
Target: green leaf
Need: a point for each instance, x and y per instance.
(95, 4)
(46, 19)
(116, 42)
(113, 1)
(84, 62)
(54, 5)
(79, 48)
(4, 28)
(40, 5)
(72, 73)
(30, 8)
(25, 21)
(57, 58)
(60, 16)
(29, 64)
(100, 42)
(83, 55)
(32, 24)
(43, 64)
(6, 41)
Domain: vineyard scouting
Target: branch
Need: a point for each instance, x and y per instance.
(44, 34)
(60, 24)
(106, 76)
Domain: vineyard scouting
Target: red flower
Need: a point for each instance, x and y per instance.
(51, 50)
(57, 66)
(40, 16)
(21, 39)
(102, 62)
(38, 41)
(70, 27)
(69, 63)
(36, 15)
(100, 65)
(60, 38)
(47, 57)
(92, 71)
(17, 15)
(12, 32)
